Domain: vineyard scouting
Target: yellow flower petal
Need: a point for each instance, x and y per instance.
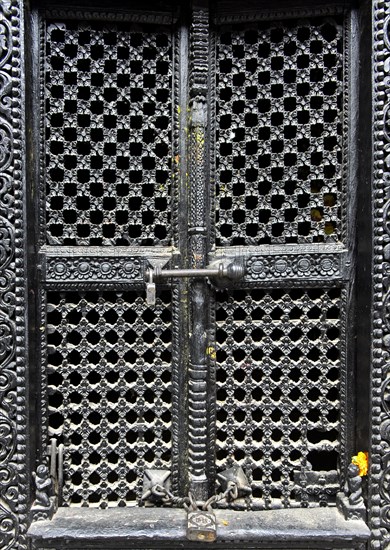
(361, 461)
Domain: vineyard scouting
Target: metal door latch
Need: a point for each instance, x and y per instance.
(220, 272)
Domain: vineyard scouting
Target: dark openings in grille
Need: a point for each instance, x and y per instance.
(279, 132)
(108, 134)
(109, 386)
(278, 376)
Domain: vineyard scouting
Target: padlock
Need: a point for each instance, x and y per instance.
(151, 290)
(201, 526)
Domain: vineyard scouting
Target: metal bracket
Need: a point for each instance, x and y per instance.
(157, 484)
(234, 476)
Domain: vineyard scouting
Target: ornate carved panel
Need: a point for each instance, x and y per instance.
(278, 393)
(110, 159)
(108, 91)
(109, 87)
(109, 388)
(13, 420)
(107, 196)
(277, 265)
(282, 184)
(99, 267)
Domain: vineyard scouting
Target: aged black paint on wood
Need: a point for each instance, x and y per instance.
(300, 270)
(94, 62)
(379, 487)
(14, 484)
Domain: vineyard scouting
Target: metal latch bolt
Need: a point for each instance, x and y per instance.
(220, 272)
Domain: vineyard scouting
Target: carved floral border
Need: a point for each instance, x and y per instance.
(94, 269)
(13, 421)
(293, 266)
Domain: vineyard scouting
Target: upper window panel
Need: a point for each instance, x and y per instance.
(108, 90)
(279, 132)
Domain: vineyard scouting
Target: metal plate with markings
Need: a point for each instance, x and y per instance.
(201, 526)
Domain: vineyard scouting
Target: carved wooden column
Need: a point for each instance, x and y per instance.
(198, 368)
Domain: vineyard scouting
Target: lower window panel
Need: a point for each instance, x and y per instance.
(109, 392)
(278, 393)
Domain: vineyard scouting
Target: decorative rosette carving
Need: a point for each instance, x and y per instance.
(293, 267)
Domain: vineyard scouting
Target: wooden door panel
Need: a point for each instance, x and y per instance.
(108, 214)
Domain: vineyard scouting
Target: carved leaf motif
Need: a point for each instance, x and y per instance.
(8, 527)
(6, 5)
(7, 341)
(3, 44)
(385, 484)
(6, 242)
(386, 32)
(5, 147)
(7, 381)
(5, 35)
(387, 122)
(385, 430)
(5, 89)
(7, 297)
(7, 435)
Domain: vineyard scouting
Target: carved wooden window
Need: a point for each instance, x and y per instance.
(107, 169)
(184, 140)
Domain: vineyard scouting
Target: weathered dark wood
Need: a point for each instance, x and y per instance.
(151, 528)
(286, 372)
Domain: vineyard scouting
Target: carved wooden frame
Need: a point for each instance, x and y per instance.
(379, 505)
(14, 470)
(14, 485)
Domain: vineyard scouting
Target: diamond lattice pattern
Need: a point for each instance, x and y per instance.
(278, 399)
(109, 385)
(279, 132)
(108, 134)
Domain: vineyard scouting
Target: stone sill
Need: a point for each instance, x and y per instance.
(131, 528)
